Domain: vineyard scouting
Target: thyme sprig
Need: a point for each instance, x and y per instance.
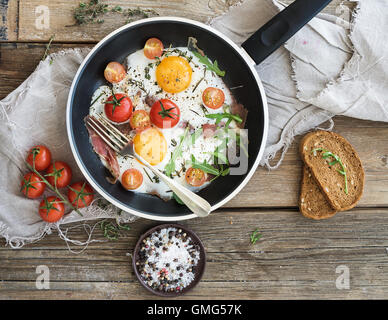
(255, 236)
(327, 154)
(53, 188)
(112, 230)
(90, 12)
(48, 45)
(93, 11)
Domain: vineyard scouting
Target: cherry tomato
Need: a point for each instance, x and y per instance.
(61, 171)
(195, 177)
(164, 113)
(114, 72)
(131, 179)
(213, 98)
(140, 120)
(32, 186)
(153, 48)
(118, 108)
(51, 209)
(41, 156)
(80, 194)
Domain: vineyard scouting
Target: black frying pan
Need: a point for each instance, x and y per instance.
(240, 73)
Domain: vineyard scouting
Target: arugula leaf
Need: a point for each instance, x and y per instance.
(191, 139)
(225, 115)
(204, 166)
(327, 154)
(255, 236)
(177, 199)
(209, 65)
(170, 166)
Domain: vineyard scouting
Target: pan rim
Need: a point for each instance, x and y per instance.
(71, 137)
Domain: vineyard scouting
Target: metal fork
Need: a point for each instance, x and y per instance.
(121, 144)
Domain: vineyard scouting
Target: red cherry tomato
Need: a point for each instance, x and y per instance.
(131, 179)
(51, 209)
(213, 97)
(80, 194)
(118, 108)
(195, 177)
(59, 171)
(32, 186)
(164, 113)
(153, 48)
(140, 120)
(41, 156)
(114, 72)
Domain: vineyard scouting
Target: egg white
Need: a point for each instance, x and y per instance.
(137, 85)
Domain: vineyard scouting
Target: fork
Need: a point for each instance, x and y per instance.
(121, 144)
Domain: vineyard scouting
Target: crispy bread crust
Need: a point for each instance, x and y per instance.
(312, 202)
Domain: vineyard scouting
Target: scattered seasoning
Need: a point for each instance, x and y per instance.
(255, 236)
(167, 260)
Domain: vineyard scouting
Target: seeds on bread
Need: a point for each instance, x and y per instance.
(312, 202)
(324, 153)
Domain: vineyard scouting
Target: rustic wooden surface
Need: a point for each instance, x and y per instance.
(295, 258)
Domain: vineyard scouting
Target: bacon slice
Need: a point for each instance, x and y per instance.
(209, 130)
(105, 152)
(240, 110)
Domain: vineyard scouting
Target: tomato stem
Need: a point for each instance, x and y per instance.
(55, 189)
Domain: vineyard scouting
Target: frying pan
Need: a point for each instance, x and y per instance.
(239, 65)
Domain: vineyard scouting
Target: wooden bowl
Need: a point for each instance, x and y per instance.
(199, 268)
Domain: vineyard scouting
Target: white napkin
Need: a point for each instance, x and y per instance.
(322, 71)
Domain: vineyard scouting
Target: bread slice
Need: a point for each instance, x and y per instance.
(312, 202)
(331, 182)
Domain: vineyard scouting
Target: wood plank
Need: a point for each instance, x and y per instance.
(296, 257)
(61, 16)
(9, 20)
(277, 188)
(62, 21)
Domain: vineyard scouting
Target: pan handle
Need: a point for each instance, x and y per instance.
(281, 28)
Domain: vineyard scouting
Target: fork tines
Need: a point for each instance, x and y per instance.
(108, 132)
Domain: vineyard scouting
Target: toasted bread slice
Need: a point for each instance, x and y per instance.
(312, 202)
(342, 192)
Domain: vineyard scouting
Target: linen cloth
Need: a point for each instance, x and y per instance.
(330, 67)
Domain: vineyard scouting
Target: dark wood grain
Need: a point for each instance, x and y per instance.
(295, 258)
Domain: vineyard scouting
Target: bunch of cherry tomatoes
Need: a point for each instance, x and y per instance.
(57, 175)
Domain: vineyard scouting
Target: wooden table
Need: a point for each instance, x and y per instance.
(295, 258)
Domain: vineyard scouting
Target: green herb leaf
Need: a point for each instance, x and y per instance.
(204, 166)
(325, 155)
(255, 236)
(220, 116)
(177, 199)
(209, 65)
(170, 167)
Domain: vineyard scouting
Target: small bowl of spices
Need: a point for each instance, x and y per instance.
(169, 260)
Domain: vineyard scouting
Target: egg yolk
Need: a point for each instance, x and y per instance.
(173, 74)
(151, 145)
